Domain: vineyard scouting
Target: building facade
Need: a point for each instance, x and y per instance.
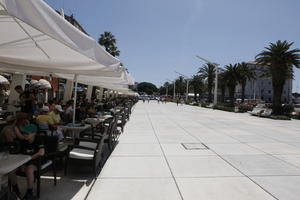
(261, 87)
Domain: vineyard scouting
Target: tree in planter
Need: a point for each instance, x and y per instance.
(108, 41)
(279, 59)
(208, 72)
(245, 74)
(232, 77)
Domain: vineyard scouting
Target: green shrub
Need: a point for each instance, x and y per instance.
(195, 104)
(204, 105)
(287, 109)
(280, 117)
(224, 108)
(296, 116)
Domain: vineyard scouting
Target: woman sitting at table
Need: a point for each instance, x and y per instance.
(12, 134)
(11, 131)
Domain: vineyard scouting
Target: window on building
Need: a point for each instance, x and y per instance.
(269, 91)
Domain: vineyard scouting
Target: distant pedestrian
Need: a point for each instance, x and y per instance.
(177, 101)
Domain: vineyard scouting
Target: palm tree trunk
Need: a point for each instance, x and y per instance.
(223, 94)
(209, 94)
(243, 92)
(277, 93)
(231, 95)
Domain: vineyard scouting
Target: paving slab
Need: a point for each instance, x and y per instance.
(202, 166)
(234, 149)
(135, 189)
(276, 148)
(179, 150)
(282, 187)
(135, 167)
(229, 188)
(137, 150)
(257, 165)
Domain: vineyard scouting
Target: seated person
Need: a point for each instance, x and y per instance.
(30, 146)
(11, 131)
(55, 115)
(68, 115)
(38, 109)
(51, 105)
(81, 113)
(45, 122)
(91, 110)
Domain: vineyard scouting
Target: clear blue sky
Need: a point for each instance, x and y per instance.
(156, 37)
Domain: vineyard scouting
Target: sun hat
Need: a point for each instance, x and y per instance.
(45, 109)
(29, 128)
(59, 108)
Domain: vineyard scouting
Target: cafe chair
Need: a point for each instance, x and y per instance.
(50, 145)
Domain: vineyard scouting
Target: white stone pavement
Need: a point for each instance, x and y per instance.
(248, 157)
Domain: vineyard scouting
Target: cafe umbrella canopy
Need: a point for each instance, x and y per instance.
(36, 40)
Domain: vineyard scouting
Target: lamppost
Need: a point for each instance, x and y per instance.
(187, 85)
(174, 94)
(166, 88)
(216, 78)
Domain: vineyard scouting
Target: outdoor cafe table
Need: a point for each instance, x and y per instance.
(76, 130)
(11, 162)
(95, 121)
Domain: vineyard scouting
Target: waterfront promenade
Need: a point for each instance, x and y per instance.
(168, 153)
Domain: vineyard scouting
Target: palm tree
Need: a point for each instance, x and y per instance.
(222, 84)
(197, 85)
(208, 72)
(108, 41)
(180, 85)
(232, 77)
(245, 74)
(279, 59)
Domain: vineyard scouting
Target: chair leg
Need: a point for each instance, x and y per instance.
(38, 186)
(54, 172)
(66, 164)
(95, 168)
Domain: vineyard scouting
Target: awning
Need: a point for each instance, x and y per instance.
(35, 38)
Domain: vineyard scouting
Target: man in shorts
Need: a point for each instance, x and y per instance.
(33, 147)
